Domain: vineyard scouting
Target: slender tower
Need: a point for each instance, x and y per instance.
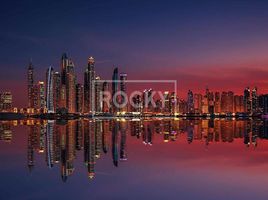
(49, 91)
(89, 89)
(30, 82)
(115, 89)
(123, 90)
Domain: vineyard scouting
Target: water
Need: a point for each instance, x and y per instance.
(140, 159)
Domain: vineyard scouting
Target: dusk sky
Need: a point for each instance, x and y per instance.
(219, 44)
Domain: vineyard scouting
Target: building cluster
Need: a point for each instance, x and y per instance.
(224, 103)
(61, 92)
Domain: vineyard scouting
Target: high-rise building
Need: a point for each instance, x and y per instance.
(115, 90)
(254, 96)
(123, 90)
(217, 103)
(173, 103)
(190, 102)
(98, 91)
(205, 104)
(79, 98)
(210, 96)
(30, 84)
(263, 103)
(64, 65)
(57, 91)
(89, 79)
(198, 103)
(49, 91)
(42, 95)
(5, 102)
(70, 87)
(224, 108)
(247, 101)
(227, 102)
(38, 97)
(35, 97)
(147, 100)
(167, 107)
(105, 104)
(230, 102)
(238, 104)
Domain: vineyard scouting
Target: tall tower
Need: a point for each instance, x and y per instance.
(247, 101)
(49, 90)
(123, 90)
(41, 91)
(70, 87)
(98, 89)
(254, 96)
(64, 64)
(30, 84)
(105, 105)
(190, 102)
(57, 91)
(115, 89)
(79, 95)
(89, 91)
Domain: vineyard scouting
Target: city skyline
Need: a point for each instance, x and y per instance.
(62, 93)
(192, 41)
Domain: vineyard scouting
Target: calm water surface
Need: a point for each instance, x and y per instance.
(139, 159)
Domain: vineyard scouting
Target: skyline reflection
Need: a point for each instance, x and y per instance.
(60, 141)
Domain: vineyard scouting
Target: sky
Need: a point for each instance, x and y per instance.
(217, 44)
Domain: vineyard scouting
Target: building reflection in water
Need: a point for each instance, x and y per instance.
(60, 141)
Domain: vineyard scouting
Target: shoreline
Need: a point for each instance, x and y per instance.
(19, 116)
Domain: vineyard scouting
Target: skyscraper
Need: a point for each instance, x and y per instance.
(190, 102)
(247, 101)
(57, 91)
(42, 98)
(30, 84)
(105, 104)
(79, 98)
(123, 90)
(115, 90)
(70, 87)
(254, 96)
(198, 103)
(5, 102)
(217, 103)
(98, 88)
(64, 64)
(49, 90)
(89, 79)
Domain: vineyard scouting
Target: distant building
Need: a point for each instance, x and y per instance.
(70, 87)
(30, 85)
(247, 101)
(217, 103)
(79, 95)
(98, 91)
(190, 102)
(123, 100)
(49, 91)
(105, 104)
(58, 96)
(238, 104)
(198, 103)
(263, 103)
(5, 102)
(115, 90)
(89, 78)
(254, 99)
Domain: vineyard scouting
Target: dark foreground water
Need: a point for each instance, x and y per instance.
(140, 159)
